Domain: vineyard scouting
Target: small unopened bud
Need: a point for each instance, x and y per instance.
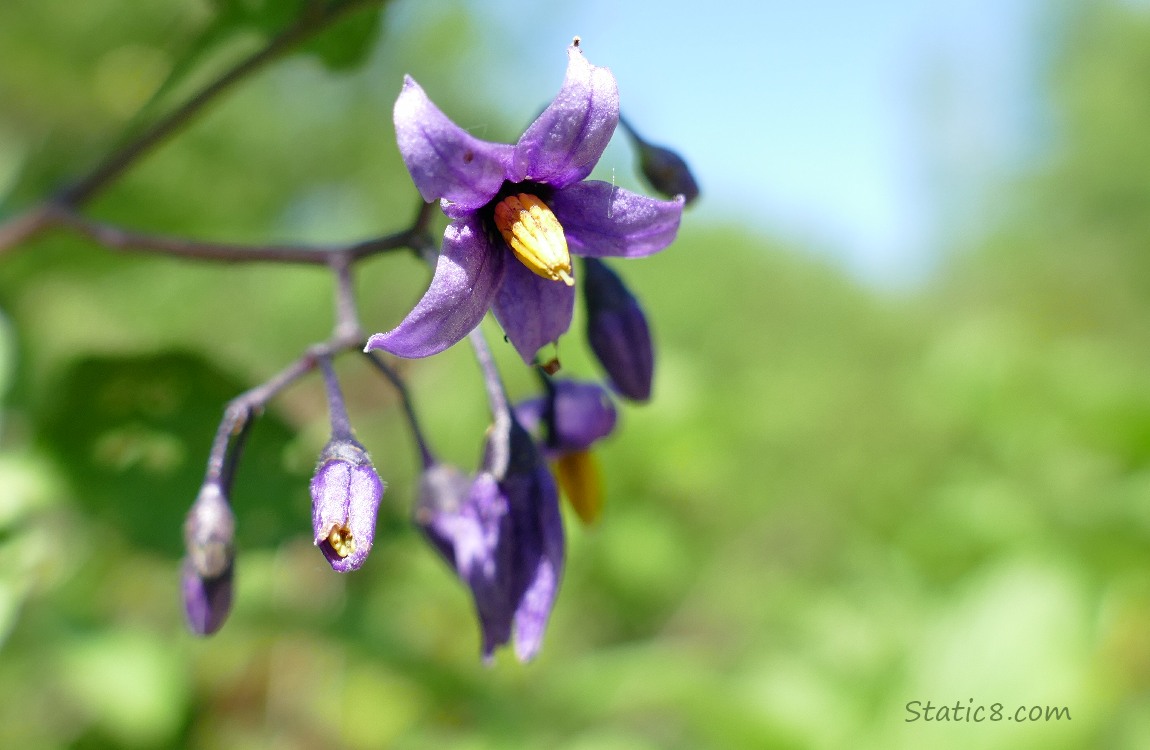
(663, 169)
(617, 331)
(345, 495)
(209, 535)
(207, 601)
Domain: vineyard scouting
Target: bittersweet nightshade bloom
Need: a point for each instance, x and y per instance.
(573, 416)
(208, 569)
(617, 331)
(503, 534)
(517, 214)
(345, 495)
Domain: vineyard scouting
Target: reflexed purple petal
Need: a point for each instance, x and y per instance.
(617, 331)
(466, 277)
(207, 601)
(345, 492)
(540, 511)
(562, 146)
(504, 538)
(445, 161)
(600, 220)
(533, 311)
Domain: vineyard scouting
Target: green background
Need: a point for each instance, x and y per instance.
(841, 499)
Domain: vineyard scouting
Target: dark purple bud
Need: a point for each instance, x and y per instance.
(617, 331)
(574, 415)
(207, 601)
(345, 495)
(209, 535)
(666, 172)
(664, 169)
(503, 536)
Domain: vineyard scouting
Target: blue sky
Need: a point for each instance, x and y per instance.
(852, 127)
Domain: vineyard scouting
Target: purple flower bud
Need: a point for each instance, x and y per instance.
(664, 169)
(209, 535)
(617, 331)
(575, 415)
(504, 537)
(666, 172)
(345, 495)
(207, 601)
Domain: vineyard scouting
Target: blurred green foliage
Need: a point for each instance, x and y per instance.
(840, 501)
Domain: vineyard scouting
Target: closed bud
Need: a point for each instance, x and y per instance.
(209, 536)
(664, 170)
(345, 494)
(617, 331)
(207, 600)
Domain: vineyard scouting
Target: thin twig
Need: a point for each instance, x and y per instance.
(340, 422)
(306, 26)
(392, 376)
(241, 409)
(125, 240)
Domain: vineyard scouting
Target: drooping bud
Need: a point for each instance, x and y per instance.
(345, 495)
(535, 235)
(207, 601)
(208, 569)
(664, 169)
(572, 416)
(617, 331)
(209, 532)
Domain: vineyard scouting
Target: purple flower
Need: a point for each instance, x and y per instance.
(573, 416)
(345, 495)
(503, 534)
(517, 213)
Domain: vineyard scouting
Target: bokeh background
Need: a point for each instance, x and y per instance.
(900, 443)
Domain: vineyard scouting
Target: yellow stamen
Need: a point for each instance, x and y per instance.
(578, 476)
(535, 236)
(341, 541)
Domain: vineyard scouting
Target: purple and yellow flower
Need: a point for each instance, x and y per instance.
(573, 416)
(517, 214)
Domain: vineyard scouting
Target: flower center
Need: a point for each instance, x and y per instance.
(341, 540)
(535, 235)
